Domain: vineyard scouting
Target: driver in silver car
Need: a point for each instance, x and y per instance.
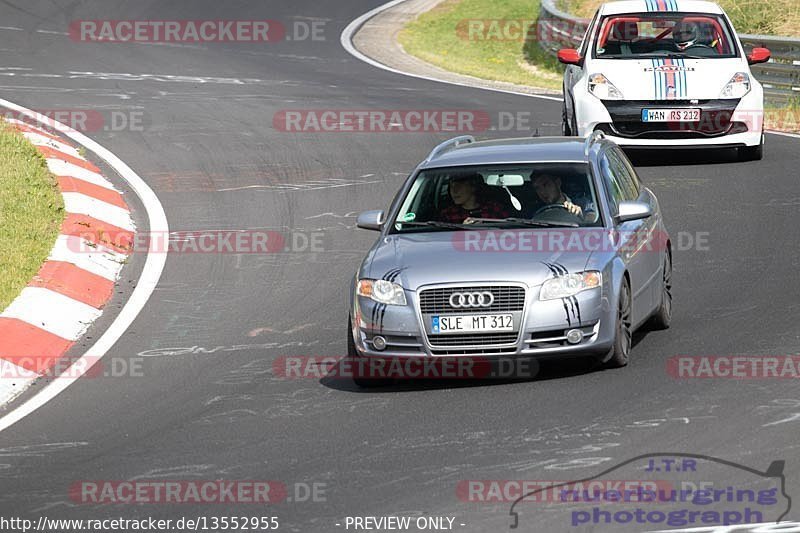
(548, 189)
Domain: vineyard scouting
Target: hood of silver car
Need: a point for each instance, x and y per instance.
(418, 259)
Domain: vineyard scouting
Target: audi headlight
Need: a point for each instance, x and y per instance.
(737, 87)
(603, 89)
(382, 291)
(570, 285)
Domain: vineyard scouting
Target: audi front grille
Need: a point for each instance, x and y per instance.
(506, 299)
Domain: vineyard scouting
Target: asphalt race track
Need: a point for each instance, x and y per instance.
(206, 404)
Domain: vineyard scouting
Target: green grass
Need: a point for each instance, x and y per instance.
(773, 17)
(31, 212)
(440, 37)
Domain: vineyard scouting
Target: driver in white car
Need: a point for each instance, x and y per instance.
(684, 35)
(548, 189)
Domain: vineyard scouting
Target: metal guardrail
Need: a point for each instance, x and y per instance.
(780, 77)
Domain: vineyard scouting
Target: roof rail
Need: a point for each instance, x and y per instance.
(449, 144)
(592, 138)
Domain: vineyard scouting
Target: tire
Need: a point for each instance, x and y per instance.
(620, 352)
(752, 153)
(663, 316)
(357, 360)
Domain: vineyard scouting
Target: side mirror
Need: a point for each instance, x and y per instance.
(570, 56)
(372, 220)
(633, 211)
(759, 55)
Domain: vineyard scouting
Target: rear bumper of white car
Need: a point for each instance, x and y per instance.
(724, 123)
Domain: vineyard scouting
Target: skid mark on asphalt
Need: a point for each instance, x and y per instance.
(175, 471)
(254, 372)
(781, 404)
(350, 214)
(200, 350)
(258, 331)
(302, 403)
(229, 397)
(288, 260)
(562, 448)
(142, 77)
(310, 185)
(260, 178)
(793, 418)
(677, 184)
(40, 450)
(226, 417)
(96, 93)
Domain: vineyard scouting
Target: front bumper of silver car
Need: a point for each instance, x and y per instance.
(540, 327)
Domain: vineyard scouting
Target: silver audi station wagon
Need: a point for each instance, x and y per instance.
(515, 248)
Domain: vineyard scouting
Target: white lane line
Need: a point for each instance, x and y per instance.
(62, 168)
(41, 140)
(13, 380)
(346, 40)
(151, 273)
(95, 259)
(784, 134)
(82, 204)
(52, 312)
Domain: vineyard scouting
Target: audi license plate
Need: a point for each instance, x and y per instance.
(443, 324)
(679, 114)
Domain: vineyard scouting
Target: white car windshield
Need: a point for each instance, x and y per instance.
(670, 35)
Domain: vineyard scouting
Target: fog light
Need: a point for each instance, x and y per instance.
(379, 343)
(574, 336)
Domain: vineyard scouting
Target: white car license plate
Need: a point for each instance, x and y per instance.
(671, 115)
(443, 324)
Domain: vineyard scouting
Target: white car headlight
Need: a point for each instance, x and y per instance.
(570, 285)
(737, 87)
(603, 89)
(382, 291)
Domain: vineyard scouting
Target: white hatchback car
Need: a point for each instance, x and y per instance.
(665, 73)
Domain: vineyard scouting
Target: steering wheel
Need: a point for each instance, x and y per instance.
(699, 45)
(550, 207)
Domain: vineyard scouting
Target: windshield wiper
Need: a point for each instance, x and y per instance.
(437, 224)
(528, 222)
(676, 55)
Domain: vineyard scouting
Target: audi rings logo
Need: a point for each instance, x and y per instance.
(459, 300)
